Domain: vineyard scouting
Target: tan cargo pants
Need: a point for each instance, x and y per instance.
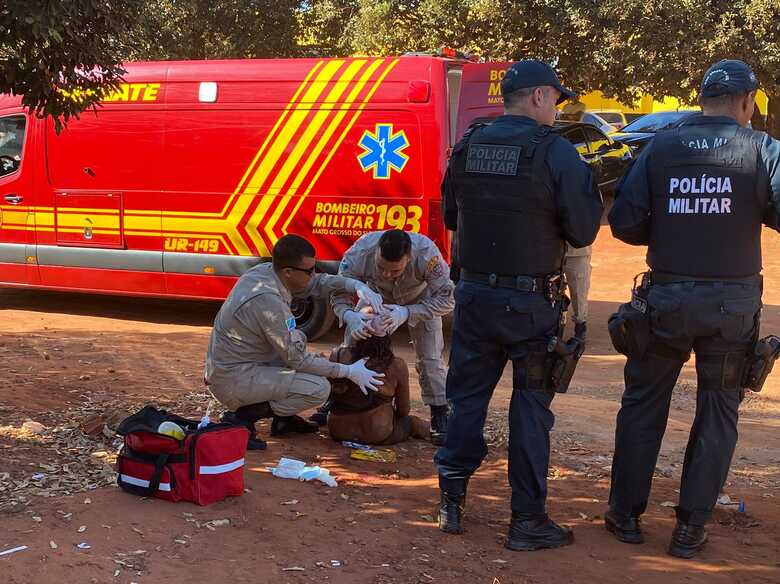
(288, 391)
(578, 269)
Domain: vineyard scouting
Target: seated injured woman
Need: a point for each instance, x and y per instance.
(378, 417)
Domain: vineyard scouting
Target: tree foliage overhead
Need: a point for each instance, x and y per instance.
(622, 47)
(217, 29)
(76, 45)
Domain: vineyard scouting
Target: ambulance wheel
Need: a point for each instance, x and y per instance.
(313, 316)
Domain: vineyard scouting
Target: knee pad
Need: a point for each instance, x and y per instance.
(720, 371)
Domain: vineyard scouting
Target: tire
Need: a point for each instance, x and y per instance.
(313, 316)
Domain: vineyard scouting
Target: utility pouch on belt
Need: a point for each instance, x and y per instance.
(564, 357)
(629, 327)
(759, 363)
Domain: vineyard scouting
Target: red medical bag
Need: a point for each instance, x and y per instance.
(205, 467)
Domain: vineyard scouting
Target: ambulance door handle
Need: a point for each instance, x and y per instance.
(13, 199)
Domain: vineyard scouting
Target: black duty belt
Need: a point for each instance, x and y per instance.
(521, 283)
(667, 278)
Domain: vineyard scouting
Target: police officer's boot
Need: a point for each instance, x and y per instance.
(247, 416)
(320, 417)
(687, 540)
(451, 509)
(287, 424)
(439, 416)
(581, 330)
(627, 529)
(536, 531)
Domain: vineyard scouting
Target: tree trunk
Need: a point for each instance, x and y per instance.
(773, 115)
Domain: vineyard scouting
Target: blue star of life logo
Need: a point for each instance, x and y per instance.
(383, 150)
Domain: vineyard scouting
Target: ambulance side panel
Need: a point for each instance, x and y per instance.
(98, 223)
(480, 94)
(167, 190)
(386, 168)
(330, 150)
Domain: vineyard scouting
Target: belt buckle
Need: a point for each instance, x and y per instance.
(492, 280)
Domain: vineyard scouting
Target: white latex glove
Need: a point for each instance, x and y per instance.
(364, 377)
(373, 299)
(399, 314)
(357, 324)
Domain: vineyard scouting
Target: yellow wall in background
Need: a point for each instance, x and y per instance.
(597, 101)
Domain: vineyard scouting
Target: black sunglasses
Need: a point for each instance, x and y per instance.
(309, 271)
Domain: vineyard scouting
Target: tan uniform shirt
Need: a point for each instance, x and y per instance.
(424, 288)
(256, 327)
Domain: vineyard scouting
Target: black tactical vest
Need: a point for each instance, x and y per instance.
(707, 206)
(507, 221)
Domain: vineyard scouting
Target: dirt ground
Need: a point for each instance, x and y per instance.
(68, 357)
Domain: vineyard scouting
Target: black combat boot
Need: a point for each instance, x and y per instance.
(439, 425)
(320, 417)
(451, 509)
(247, 416)
(532, 531)
(581, 330)
(287, 424)
(687, 540)
(626, 529)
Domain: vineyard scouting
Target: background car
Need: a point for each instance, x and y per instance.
(589, 118)
(639, 132)
(607, 158)
(615, 118)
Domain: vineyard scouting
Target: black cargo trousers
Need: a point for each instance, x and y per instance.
(719, 321)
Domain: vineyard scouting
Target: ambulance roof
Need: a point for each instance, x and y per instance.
(409, 66)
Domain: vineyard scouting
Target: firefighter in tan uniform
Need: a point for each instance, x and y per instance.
(407, 269)
(257, 363)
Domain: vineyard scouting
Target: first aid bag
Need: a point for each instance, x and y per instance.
(205, 465)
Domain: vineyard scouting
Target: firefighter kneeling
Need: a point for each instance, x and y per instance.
(257, 363)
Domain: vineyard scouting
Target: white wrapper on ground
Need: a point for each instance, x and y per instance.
(290, 468)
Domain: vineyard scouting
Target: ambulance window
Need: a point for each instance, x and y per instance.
(453, 97)
(11, 143)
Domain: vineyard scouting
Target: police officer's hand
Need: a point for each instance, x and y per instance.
(364, 377)
(371, 298)
(399, 315)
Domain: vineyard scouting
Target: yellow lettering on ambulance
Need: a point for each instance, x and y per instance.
(135, 89)
(150, 93)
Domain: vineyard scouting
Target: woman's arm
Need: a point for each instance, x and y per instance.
(401, 399)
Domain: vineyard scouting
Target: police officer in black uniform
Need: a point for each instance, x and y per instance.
(697, 197)
(515, 193)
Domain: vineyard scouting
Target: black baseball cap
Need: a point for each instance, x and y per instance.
(533, 73)
(728, 76)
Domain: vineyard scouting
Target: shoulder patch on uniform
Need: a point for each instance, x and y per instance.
(493, 159)
(435, 266)
(290, 322)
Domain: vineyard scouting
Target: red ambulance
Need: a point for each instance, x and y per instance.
(189, 173)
